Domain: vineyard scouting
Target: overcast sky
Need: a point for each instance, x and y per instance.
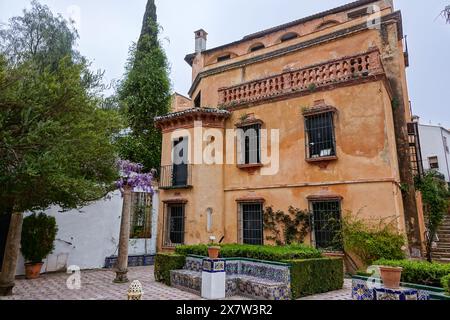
(108, 27)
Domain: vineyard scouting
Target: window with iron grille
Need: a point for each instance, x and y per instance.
(252, 223)
(327, 224)
(251, 144)
(180, 162)
(320, 138)
(141, 216)
(434, 162)
(174, 224)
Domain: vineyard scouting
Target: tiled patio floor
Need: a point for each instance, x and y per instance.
(98, 285)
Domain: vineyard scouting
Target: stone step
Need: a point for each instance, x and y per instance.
(440, 256)
(441, 250)
(443, 260)
(442, 246)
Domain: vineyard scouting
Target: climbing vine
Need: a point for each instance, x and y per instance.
(286, 228)
(435, 197)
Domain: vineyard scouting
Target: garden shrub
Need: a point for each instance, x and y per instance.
(419, 272)
(268, 253)
(313, 276)
(38, 237)
(165, 262)
(445, 281)
(370, 240)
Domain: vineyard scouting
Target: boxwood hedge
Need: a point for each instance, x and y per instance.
(419, 272)
(267, 253)
(313, 276)
(445, 281)
(164, 262)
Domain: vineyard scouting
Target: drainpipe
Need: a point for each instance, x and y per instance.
(445, 152)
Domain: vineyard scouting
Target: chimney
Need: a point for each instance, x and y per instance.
(200, 40)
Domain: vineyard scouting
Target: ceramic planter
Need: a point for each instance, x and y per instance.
(33, 270)
(213, 252)
(391, 276)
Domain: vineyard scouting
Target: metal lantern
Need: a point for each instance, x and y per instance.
(135, 291)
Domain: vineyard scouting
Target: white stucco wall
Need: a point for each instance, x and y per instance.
(89, 235)
(432, 145)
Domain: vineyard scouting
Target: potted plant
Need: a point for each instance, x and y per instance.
(391, 276)
(38, 237)
(213, 248)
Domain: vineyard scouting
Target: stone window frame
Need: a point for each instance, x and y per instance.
(245, 124)
(433, 162)
(141, 199)
(320, 109)
(166, 223)
(240, 224)
(324, 199)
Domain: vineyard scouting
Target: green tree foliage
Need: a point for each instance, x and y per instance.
(38, 35)
(435, 197)
(144, 94)
(371, 240)
(38, 237)
(55, 141)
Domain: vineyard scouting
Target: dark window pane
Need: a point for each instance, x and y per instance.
(180, 166)
(176, 223)
(141, 216)
(327, 224)
(252, 224)
(252, 144)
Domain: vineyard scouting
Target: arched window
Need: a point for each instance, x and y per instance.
(256, 47)
(289, 36)
(327, 24)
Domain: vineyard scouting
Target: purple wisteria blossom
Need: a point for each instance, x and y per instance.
(131, 175)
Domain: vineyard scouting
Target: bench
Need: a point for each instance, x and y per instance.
(244, 277)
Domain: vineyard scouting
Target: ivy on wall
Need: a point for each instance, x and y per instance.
(286, 228)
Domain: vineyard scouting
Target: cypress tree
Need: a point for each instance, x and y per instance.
(144, 94)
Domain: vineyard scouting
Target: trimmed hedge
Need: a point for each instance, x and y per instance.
(419, 272)
(267, 253)
(313, 276)
(165, 262)
(445, 281)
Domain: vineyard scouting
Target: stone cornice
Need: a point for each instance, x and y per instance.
(210, 117)
(395, 17)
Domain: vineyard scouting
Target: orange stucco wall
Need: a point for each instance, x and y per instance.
(366, 172)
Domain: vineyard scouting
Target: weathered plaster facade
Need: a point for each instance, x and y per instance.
(333, 60)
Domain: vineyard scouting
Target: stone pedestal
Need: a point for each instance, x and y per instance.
(213, 279)
(395, 294)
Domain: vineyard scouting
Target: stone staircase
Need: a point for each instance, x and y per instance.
(442, 252)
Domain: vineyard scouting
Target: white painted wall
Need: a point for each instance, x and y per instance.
(432, 145)
(89, 235)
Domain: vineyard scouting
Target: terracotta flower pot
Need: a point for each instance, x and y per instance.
(391, 276)
(213, 252)
(33, 270)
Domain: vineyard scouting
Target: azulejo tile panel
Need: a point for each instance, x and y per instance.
(391, 294)
(133, 261)
(373, 290)
(213, 265)
(247, 278)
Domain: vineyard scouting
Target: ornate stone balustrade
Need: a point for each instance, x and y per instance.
(321, 76)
